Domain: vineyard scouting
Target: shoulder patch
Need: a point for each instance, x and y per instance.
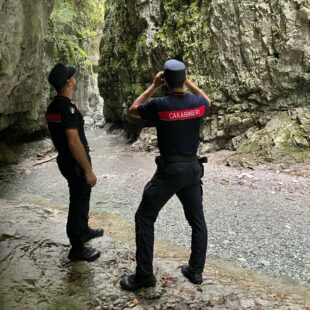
(71, 110)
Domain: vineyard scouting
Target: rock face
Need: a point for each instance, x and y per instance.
(23, 64)
(252, 57)
(76, 30)
(33, 37)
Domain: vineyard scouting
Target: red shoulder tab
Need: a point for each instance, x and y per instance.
(53, 117)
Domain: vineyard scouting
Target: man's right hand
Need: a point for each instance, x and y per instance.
(91, 178)
(158, 80)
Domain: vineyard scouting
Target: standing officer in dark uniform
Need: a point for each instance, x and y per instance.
(66, 126)
(177, 119)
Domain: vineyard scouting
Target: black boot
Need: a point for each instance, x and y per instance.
(132, 283)
(93, 233)
(83, 253)
(195, 278)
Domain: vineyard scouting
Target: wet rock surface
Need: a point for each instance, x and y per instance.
(36, 274)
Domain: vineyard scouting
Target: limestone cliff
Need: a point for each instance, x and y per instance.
(75, 29)
(252, 57)
(34, 35)
(23, 65)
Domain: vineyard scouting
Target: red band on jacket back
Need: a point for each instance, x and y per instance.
(181, 115)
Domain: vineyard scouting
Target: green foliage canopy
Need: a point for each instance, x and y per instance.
(73, 23)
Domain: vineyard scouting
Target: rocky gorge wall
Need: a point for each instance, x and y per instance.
(35, 35)
(75, 29)
(252, 57)
(24, 62)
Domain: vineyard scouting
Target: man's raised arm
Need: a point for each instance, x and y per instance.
(158, 82)
(196, 90)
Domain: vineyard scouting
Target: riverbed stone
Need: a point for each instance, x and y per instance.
(35, 273)
(282, 140)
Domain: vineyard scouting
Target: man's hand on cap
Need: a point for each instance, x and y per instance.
(158, 80)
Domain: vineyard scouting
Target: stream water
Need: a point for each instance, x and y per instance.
(254, 228)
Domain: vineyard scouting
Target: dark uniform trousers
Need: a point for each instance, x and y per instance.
(182, 179)
(79, 191)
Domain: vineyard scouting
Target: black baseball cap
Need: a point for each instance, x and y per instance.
(60, 75)
(174, 72)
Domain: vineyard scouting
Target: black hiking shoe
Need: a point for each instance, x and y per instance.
(87, 254)
(94, 233)
(132, 283)
(195, 278)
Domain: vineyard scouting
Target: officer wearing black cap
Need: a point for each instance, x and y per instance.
(177, 119)
(66, 126)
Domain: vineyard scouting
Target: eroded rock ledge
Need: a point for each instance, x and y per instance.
(35, 273)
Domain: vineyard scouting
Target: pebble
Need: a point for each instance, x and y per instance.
(247, 304)
(264, 262)
(245, 175)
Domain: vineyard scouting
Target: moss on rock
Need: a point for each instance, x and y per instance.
(282, 140)
(241, 53)
(135, 45)
(6, 154)
(73, 23)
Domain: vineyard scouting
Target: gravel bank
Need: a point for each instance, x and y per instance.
(258, 218)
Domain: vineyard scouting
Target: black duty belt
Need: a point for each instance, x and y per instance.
(178, 158)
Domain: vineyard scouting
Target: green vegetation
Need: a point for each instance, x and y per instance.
(134, 49)
(281, 140)
(123, 50)
(191, 42)
(73, 23)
